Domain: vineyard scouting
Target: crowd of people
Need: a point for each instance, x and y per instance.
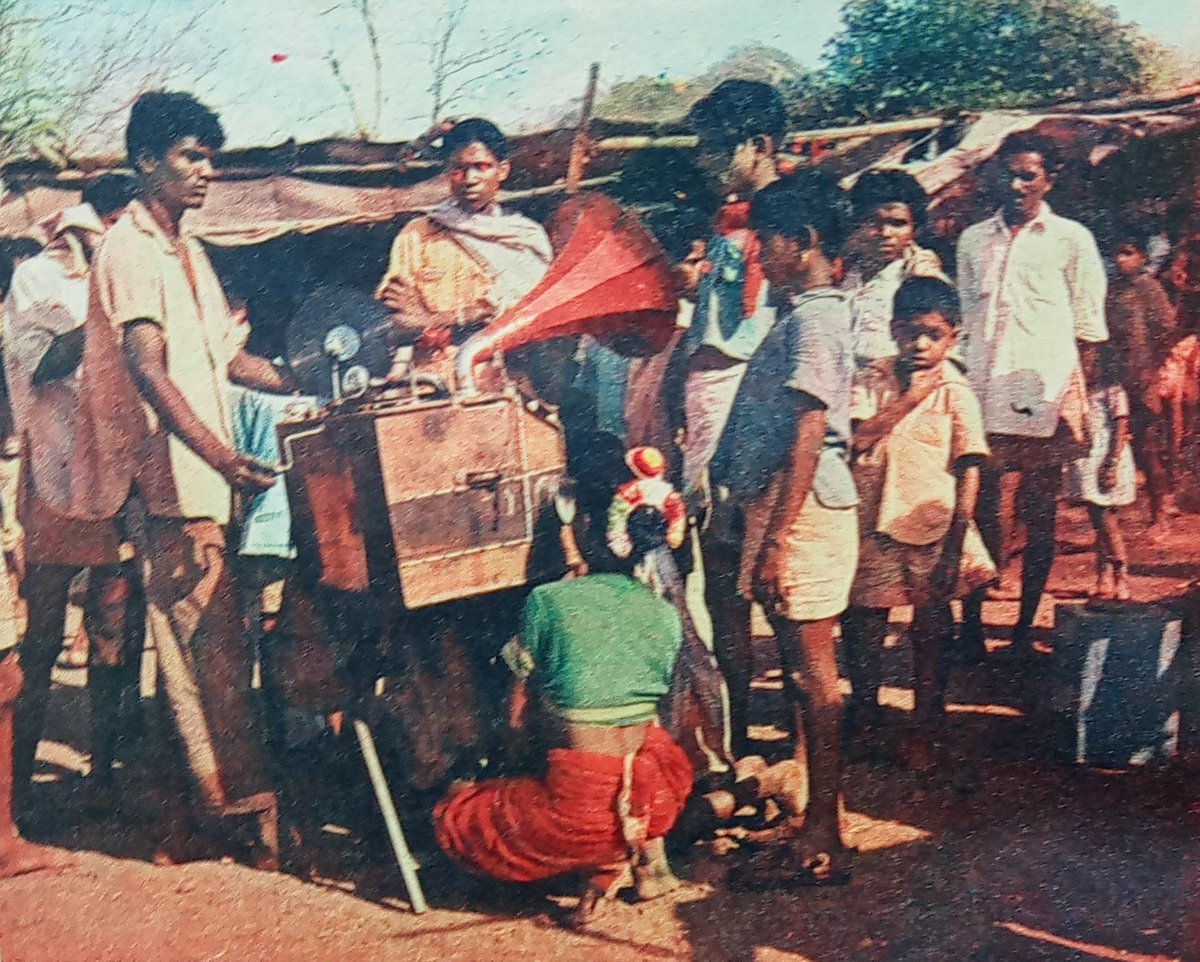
(843, 425)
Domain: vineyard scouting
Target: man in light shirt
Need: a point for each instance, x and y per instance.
(889, 210)
(161, 348)
(44, 313)
(1032, 286)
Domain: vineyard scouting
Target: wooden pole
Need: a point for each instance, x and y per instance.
(383, 795)
(687, 142)
(579, 145)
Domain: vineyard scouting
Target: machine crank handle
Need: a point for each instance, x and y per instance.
(483, 479)
(289, 461)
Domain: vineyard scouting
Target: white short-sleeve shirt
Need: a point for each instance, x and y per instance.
(141, 274)
(1027, 296)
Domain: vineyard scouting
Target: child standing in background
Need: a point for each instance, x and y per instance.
(917, 472)
(1106, 480)
(1141, 323)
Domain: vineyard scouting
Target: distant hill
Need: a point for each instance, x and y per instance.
(662, 99)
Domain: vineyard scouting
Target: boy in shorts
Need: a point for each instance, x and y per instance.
(917, 473)
(801, 537)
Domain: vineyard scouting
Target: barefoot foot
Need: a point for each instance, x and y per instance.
(19, 857)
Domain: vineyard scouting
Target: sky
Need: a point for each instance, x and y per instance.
(264, 62)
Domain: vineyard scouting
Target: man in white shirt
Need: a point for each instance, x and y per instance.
(1032, 286)
(44, 313)
(881, 253)
(161, 348)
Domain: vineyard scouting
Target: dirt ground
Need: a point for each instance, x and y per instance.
(1008, 855)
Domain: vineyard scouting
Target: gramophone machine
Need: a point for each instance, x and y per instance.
(430, 492)
(409, 490)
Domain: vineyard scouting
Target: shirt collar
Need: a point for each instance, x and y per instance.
(952, 374)
(804, 297)
(1038, 223)
(144, 221)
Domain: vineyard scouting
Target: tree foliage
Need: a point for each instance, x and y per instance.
(662, 100)
(903, 57)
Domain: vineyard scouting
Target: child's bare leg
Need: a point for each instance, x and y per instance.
(863, 631)
(814, 849)
(1118, 554)
(1103, 586)
(929, 628)
(810, 669)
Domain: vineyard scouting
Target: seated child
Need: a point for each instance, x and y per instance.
(1106, 479)
(917, 471)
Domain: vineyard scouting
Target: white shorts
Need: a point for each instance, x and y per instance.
(820, 557)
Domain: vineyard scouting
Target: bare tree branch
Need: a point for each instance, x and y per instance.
(360, 127)
(456, 65)
(376, 60)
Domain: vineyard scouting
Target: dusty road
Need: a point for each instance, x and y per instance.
(1011, 857)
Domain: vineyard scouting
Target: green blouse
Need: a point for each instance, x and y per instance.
(600, 649)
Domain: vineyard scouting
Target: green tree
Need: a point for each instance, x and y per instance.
(663, 100)
(903, 57)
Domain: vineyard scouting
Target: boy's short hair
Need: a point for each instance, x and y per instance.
(159, 119)
(109, 193)
(918, 296)
(1033, 143)
(1136, 236)
(735, 111)
(809, 200)
(672, 198)
(876, 188)
(475, 130)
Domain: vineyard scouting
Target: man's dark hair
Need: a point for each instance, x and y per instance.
(109, 193)
(161, 118)
(12, 250)
(919, 296)
(1033, 143)
(475, 130)
(671, 195)
(735, 111)
(875, 188)
(799, 204)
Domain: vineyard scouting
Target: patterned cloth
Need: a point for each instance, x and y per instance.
(267, 525)
(1105, 406)
(527, 829)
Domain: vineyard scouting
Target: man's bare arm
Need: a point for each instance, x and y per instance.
(250, 370)
(797, 473)
(61, 359)
(801, 465)
(146, 352)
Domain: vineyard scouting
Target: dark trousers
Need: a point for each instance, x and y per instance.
(205, 658)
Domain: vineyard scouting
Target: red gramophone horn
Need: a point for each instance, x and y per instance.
(609, 279)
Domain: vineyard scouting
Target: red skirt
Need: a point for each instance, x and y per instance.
(526, 829)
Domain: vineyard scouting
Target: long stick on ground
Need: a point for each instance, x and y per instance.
(383, 795)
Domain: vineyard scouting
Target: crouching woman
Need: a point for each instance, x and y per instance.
(596, 654)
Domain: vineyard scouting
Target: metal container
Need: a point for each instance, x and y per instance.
(430, 500)
(1120, 672)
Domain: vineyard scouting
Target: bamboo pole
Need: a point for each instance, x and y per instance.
(685, 141)
(579, 145)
